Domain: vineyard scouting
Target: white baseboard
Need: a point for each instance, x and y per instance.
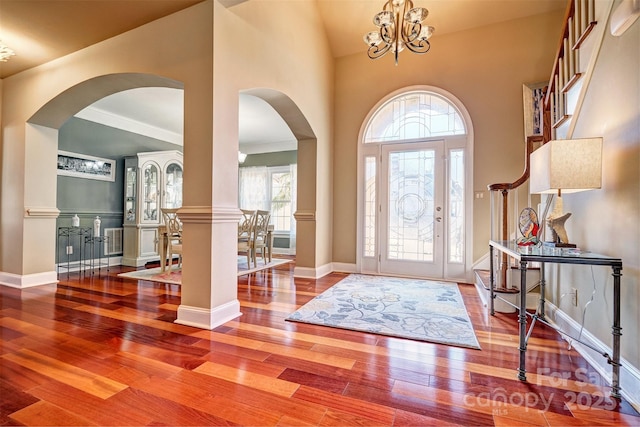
(28, 280)
(629, 375)
(344, 267)
(312, 273)
(205, 318)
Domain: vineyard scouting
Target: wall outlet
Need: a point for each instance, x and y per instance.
(574, 297)
(69, 250)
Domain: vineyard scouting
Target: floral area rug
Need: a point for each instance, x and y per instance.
(407, 308)
(175, 275)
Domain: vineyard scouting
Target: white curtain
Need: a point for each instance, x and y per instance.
(255, 192)
(254, 188)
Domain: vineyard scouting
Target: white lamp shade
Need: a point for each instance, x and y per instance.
(569, 165)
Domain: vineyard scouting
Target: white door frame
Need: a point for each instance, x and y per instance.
(463, 271)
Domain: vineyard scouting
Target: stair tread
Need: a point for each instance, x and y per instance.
(484, 276)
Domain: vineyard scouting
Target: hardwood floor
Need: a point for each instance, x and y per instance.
(103, 350)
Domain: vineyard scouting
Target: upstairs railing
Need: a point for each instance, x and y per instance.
(579, 21)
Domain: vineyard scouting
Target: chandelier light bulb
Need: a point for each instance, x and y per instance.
(372, 38)
(426, 32)
(383, 18)
(416, 15)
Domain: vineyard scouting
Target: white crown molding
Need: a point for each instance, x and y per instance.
(97, 115)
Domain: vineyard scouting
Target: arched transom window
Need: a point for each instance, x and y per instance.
(414, 115)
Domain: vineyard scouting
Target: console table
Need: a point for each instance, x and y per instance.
(92, 263)
(70, 238)
(526, 254)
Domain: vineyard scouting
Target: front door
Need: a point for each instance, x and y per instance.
(412, 209)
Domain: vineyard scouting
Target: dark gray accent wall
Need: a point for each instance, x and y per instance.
(89, 198)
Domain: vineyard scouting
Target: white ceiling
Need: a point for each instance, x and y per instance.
(159, 113)
(42, 30)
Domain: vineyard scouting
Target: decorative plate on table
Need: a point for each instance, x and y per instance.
(529, 227)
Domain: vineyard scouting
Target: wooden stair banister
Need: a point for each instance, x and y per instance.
(504, 188)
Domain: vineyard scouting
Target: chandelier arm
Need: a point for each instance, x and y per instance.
(411, 31)
(375, 52)
(422, 47)
(387, 33)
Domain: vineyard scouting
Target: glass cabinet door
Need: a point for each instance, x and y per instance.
(130, 193)
(173, 186)
(150, 192)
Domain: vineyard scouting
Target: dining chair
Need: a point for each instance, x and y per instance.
(173, 230)
(260, 240)
(245, 233)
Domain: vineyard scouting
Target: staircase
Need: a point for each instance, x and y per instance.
(508, 295)
(575, 60)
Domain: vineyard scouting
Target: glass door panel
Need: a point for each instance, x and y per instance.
(173, 187)
(150, 201)
(412, 209)
(131, 175)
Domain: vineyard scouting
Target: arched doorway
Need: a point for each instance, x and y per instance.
(306, 179)
(415, 186)
(79, 195)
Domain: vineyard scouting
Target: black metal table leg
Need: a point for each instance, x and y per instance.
(616, 331)
(522, 320)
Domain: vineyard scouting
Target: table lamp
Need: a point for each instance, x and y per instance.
(565, 166)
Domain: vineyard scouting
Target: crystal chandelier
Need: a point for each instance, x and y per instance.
(5, 52)
(400, 26)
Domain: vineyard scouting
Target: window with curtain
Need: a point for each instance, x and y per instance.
(272, 189)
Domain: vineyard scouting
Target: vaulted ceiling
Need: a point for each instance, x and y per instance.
(42, 30)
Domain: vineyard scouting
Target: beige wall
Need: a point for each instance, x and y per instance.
(485, 68)
(215, 53)
(175, 47)
(283, 53)
(607, 221)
